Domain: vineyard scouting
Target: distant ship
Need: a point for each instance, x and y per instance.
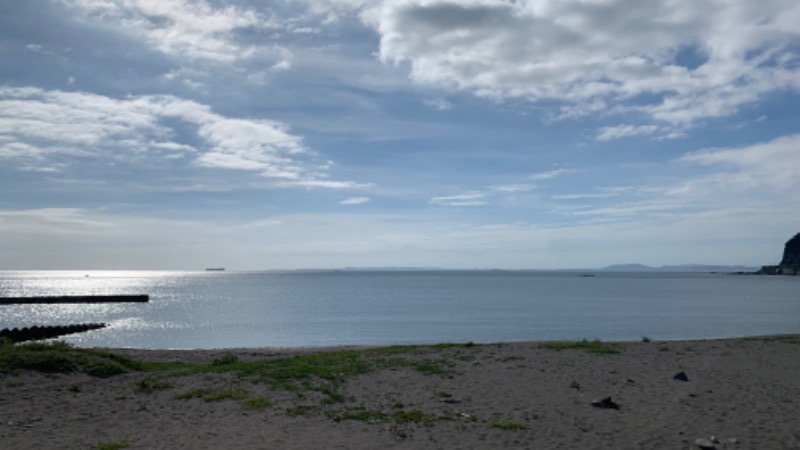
(215, 269)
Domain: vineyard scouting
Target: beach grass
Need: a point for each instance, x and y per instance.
(593, 346)
(60, 357)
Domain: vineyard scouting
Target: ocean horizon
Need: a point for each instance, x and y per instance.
(327, 308)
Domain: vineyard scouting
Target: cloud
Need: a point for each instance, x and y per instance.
(37, 48)
(48, 128)
(192, 29)
(676, 61)
(471, 199)
(355, 201)
(740, 182)
(550, 174)
(512, 188)
(773, 165)
(621, 131)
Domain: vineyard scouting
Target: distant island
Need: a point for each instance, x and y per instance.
(215, 269)
(677, 268)
(790, 262)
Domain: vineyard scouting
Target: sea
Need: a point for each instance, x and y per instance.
(330, 308)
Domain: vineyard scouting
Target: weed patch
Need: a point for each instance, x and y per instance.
(256, 403)
(60, 357)
(594, 346)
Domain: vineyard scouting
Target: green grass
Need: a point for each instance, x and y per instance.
(414, 416)
(506, 425)
(149, 385)
(213, 396)
(60, 357)
(594, 346)
(325, 372)
(256, 403)
(575, 385)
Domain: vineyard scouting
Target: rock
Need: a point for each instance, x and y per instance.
(606, 403)
(791, 252)
(733, 440)
(714, 439)
(681, 376)
(704, 444)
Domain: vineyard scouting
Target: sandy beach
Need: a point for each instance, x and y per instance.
(743, 392)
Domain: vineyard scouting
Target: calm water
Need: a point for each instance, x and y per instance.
(297, 309)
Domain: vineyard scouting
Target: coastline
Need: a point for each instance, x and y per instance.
(513, 395)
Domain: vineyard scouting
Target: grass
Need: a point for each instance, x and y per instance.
(324, 373)
(645, 339)
(60, 357)
(401, 417)
(594, 346)
(213, 396)
(149, 385)
(506, 425)
(256, 403)
(575, 385)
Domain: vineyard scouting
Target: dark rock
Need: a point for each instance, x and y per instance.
(681, 376)
(605, 403)
(791, 252)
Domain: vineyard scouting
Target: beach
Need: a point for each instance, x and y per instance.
(743, 392)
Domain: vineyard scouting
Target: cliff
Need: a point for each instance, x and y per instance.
(791, 252)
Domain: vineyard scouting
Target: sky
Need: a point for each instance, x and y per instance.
(184, 134)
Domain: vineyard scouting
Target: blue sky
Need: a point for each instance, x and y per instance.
(142, 134)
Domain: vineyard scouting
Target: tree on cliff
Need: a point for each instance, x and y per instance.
(791, 252)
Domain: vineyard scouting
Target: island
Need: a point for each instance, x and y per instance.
(790, 262)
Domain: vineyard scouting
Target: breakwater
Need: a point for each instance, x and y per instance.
(65, 299)
(46, 332)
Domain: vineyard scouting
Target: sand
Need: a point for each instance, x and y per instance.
(745, 392)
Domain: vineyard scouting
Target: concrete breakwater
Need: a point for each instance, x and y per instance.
(65, 299)
(46, 332)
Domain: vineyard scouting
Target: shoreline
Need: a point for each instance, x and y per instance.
(507, 395)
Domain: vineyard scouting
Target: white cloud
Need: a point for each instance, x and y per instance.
(194, 29)
(621, 131)
(45, 127)
(355, 201)
(36, 48)
(512, 188)
(550, 174)
(725, 182)
(592, 195)
(772, 166)
(470, 199)
(691, 59)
